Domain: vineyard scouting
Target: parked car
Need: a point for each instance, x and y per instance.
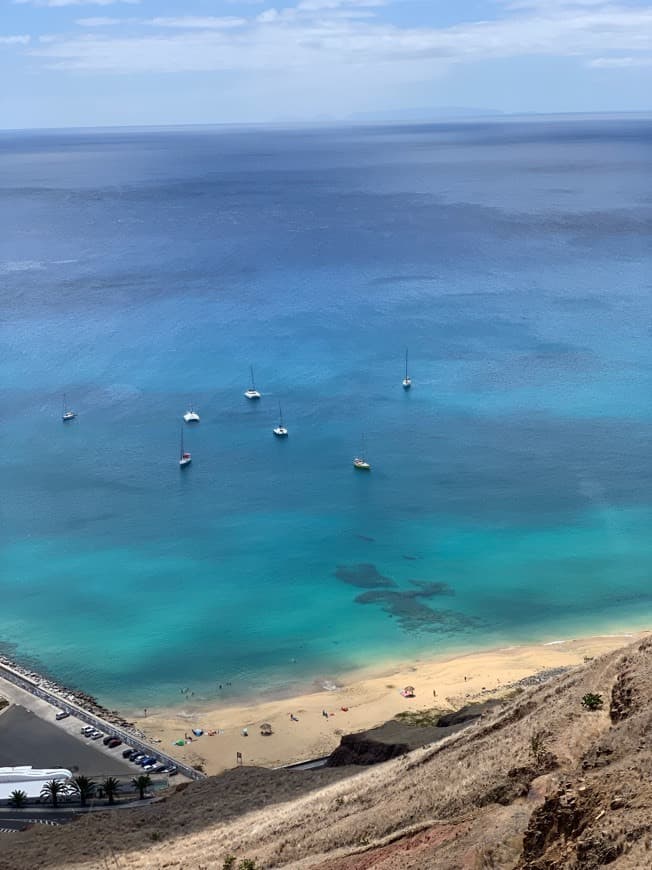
(127, 753)
(148, 759)
(108, 738)
(95, 735)
(172, 771)
(149, 768)
(137, 756)
(162, 768)
(87, 730)
(62, 714)
(113, 742)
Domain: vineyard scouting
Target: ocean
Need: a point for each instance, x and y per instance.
(510, 496)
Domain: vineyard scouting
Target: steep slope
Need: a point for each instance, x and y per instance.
(538, 783)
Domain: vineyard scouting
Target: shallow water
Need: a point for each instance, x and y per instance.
(142, 270)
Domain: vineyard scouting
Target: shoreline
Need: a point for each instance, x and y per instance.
(365, 700)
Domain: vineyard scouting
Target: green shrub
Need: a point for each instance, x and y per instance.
(592, 701)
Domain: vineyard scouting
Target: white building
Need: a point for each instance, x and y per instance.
(28, 779)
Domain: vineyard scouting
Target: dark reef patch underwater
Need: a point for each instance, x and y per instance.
(411, 613)
(364, 574)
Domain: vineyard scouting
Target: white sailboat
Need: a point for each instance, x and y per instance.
(191, 416)
(185, 458)
(66, 412)
(252, 392)
(280, 431)
(360, 462)
(407, 380)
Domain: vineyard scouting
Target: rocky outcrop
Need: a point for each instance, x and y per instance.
(359, 749)
(517, 782)
(562, 817)
(464, 716)
(622, 697)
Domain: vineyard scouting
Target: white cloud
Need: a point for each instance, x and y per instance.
(195, 22)
(99, 22)
(553, 5)
(318, 5)
(23, 39)
(268, 15)
(312, 39)
(621, 62)
(61, 3)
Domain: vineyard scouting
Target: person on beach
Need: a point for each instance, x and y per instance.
(324, 713)
(245, 732)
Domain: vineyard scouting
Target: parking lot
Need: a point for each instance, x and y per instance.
(27, 739)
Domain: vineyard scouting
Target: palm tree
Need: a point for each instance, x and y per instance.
(84, 787)
(53, 789)
(111, 786)
(142, 782)
(18, 798)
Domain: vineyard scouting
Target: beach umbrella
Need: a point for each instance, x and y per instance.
(408, 690)
(266, 729)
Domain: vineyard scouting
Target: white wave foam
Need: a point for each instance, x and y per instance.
(329, 686)
(20, 266)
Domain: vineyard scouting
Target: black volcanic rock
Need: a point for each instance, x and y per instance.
(359, 749)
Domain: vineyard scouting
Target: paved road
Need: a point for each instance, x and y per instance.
(12, 821)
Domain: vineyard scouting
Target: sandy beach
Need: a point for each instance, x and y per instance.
(302, 731)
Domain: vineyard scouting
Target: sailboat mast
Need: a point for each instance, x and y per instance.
(280, 414)
(406, 363)
(253, 385)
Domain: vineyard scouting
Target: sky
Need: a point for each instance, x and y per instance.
(113, 62)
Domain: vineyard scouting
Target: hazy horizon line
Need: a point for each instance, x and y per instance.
(485, 115)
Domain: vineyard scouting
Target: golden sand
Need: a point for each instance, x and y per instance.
(359, 705)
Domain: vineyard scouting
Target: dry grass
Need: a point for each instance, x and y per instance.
(432, 808)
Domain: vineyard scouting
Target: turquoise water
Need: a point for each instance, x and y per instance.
(510, 493)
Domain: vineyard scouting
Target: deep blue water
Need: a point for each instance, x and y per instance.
(140, 270)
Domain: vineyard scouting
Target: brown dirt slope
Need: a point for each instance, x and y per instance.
(539, 783)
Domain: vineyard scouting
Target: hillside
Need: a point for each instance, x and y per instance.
(538, 783)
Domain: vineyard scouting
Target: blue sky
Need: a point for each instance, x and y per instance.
(90, 62)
